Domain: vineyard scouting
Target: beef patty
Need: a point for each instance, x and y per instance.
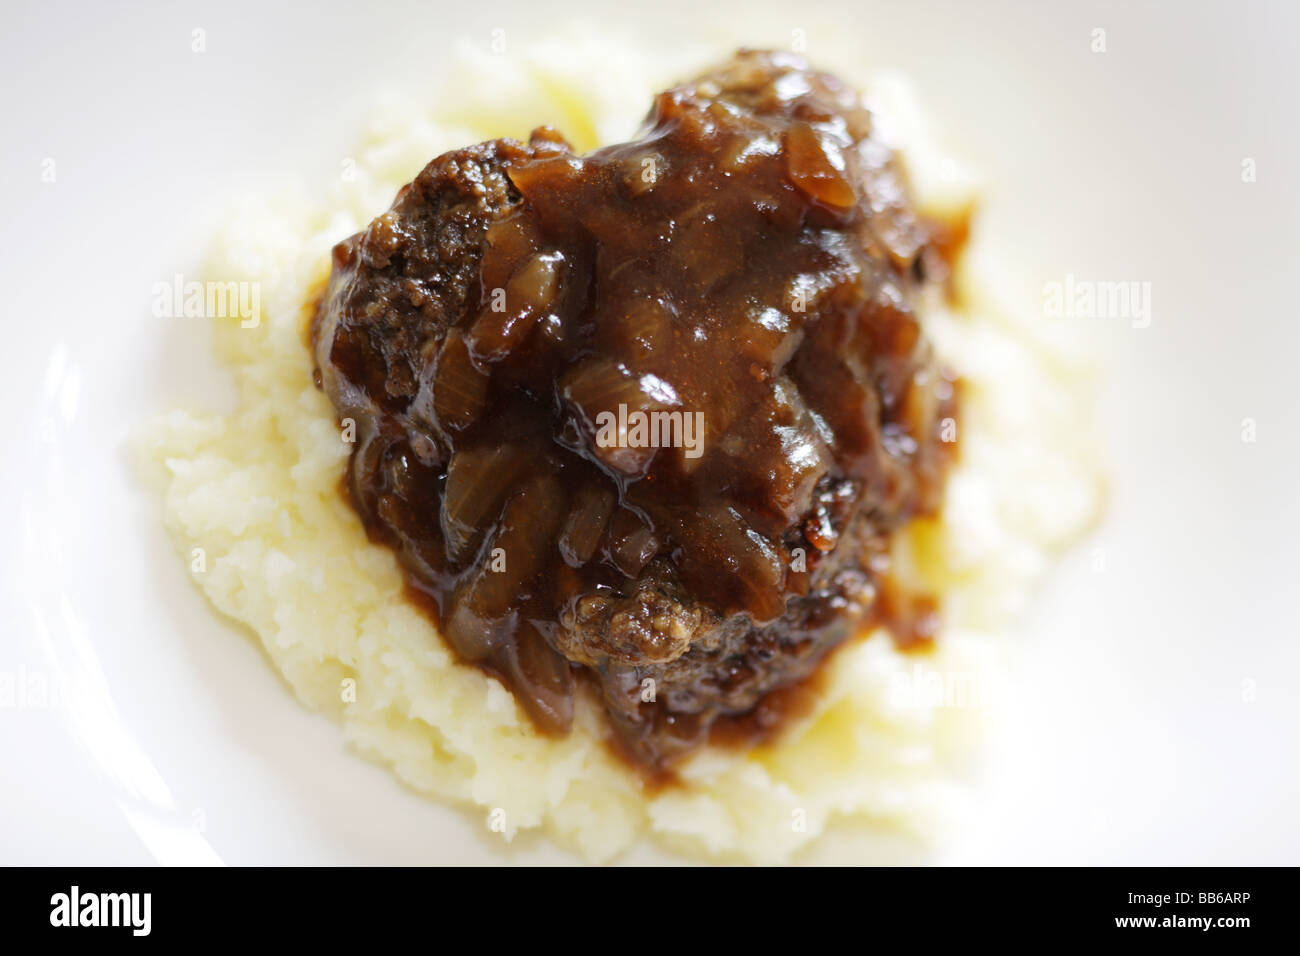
(650, 413)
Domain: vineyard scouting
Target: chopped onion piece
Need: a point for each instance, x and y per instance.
(459, 388)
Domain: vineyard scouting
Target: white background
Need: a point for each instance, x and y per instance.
(1160, 710)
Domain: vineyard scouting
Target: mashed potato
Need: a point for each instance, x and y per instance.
(282, 552)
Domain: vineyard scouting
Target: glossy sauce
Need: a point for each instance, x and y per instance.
(751, 259)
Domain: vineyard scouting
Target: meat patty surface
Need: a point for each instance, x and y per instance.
(649, 414)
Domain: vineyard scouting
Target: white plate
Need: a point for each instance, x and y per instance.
(1160, 705)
